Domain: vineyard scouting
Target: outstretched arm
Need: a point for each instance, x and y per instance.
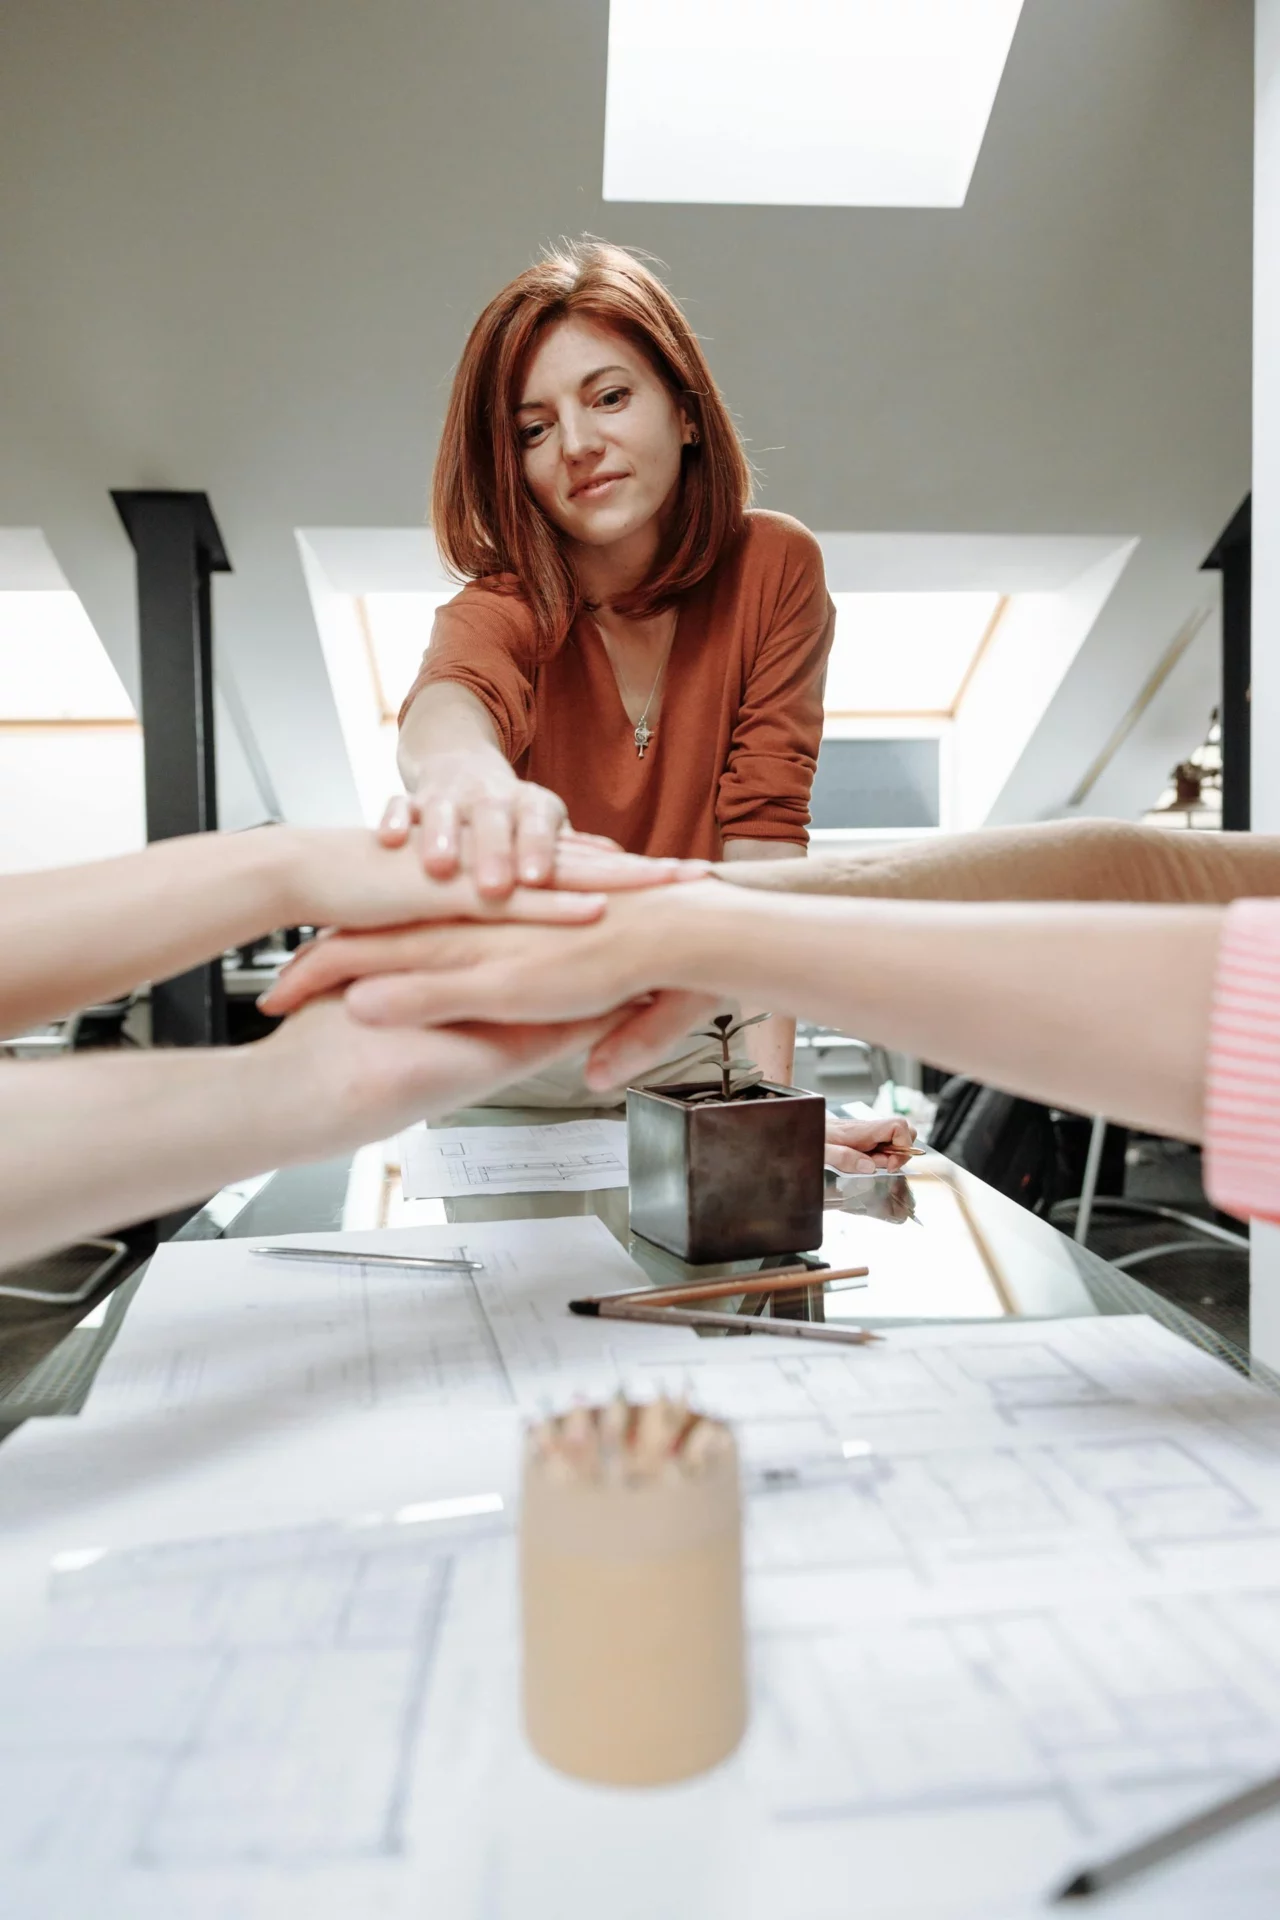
(1103, 1009)
(147, 1133)
(77, 935)
(1100, 1008)
(1056, 860)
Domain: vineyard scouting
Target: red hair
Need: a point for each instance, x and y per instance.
(487, 523)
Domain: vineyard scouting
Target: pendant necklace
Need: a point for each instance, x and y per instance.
(644, 733)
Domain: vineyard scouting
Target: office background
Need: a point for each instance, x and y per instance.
(242, 248)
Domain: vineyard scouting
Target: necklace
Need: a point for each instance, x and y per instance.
(644, 733)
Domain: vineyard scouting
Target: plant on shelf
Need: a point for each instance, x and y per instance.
(723, 1031)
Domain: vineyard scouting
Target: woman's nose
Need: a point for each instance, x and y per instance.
(580, 435)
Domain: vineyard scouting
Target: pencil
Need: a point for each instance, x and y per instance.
(784, 1280)
(1237, 1807)
(903, 1153)
(729, 1322)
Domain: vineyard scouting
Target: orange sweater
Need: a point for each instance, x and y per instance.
(736, 741)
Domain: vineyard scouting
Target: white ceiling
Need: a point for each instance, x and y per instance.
(241, 255)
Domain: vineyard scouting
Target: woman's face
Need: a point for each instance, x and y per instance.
(601, 435)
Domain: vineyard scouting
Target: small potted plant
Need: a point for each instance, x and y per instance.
(730, 1171)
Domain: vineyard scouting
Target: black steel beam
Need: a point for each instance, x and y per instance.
(178, 547)
(1232, 557)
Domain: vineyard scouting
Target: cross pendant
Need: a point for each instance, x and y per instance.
(644, 735)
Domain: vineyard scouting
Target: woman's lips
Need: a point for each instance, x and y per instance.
(597, 489)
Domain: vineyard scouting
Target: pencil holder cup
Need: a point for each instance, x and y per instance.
(634, 1670)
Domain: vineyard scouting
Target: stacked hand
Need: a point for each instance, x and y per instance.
(472, 815)
(601, 969)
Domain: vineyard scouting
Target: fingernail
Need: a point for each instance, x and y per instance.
(396, 812)
(531, 873)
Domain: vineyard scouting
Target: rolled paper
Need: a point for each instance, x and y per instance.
(631, 1579)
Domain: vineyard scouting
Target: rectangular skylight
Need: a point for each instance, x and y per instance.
(398, 629)
(897, 653)
(834, 103)
(53, 666)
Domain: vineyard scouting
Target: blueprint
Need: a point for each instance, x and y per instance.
(1014, 1597)
(216, 1718)
(570, 1156)
(215, 1323)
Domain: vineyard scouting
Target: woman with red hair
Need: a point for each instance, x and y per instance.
(637, 654)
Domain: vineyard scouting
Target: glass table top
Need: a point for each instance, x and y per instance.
(939, 1242)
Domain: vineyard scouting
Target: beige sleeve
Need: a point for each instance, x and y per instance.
(1054, 860)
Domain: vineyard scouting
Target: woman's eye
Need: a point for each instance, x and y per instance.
(530, 436)
(613, 397)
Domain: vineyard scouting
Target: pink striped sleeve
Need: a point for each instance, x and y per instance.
(1242, 1090)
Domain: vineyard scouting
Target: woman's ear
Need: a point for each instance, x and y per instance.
(689, 434)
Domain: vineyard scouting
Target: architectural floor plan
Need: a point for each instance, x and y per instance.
(1013, 1590)
(570, 1156)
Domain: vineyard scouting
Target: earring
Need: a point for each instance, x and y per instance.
(695, 438)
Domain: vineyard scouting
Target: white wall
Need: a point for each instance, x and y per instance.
(67, 796)
(1030, 652)
(370, 743)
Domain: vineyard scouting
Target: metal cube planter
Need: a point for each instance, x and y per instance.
(726, 1180)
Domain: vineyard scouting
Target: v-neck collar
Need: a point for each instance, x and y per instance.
(596, 629)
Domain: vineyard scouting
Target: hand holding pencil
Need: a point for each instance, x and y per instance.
(870, 1145)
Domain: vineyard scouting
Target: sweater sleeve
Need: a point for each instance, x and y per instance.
(484, 641)
(1242, 1082)
(764, 790)
(1051, 860)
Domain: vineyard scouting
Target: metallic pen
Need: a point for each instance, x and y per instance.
(351, 1257)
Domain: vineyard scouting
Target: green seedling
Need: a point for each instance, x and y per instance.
(723, 1031)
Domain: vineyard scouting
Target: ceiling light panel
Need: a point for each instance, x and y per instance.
(836, 103)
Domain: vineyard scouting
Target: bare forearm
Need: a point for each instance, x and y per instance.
(1056, 860)
(1102, 1009)
(95, 1142)
(444, 719)
(76, 935)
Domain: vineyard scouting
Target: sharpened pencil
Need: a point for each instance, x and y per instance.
(1192, 1832)
(727, 1322)
(784, 1280)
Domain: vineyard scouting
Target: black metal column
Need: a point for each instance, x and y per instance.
(178, 546)
(1233, 559)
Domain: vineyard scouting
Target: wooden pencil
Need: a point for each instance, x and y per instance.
(784, 1280)
(737, 1323)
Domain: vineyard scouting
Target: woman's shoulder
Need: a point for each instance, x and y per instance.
(489, 609)
(777, 543)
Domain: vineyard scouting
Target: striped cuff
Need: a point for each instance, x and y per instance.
(1242, 1087)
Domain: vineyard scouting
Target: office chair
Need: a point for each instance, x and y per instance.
(1091, 1202)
